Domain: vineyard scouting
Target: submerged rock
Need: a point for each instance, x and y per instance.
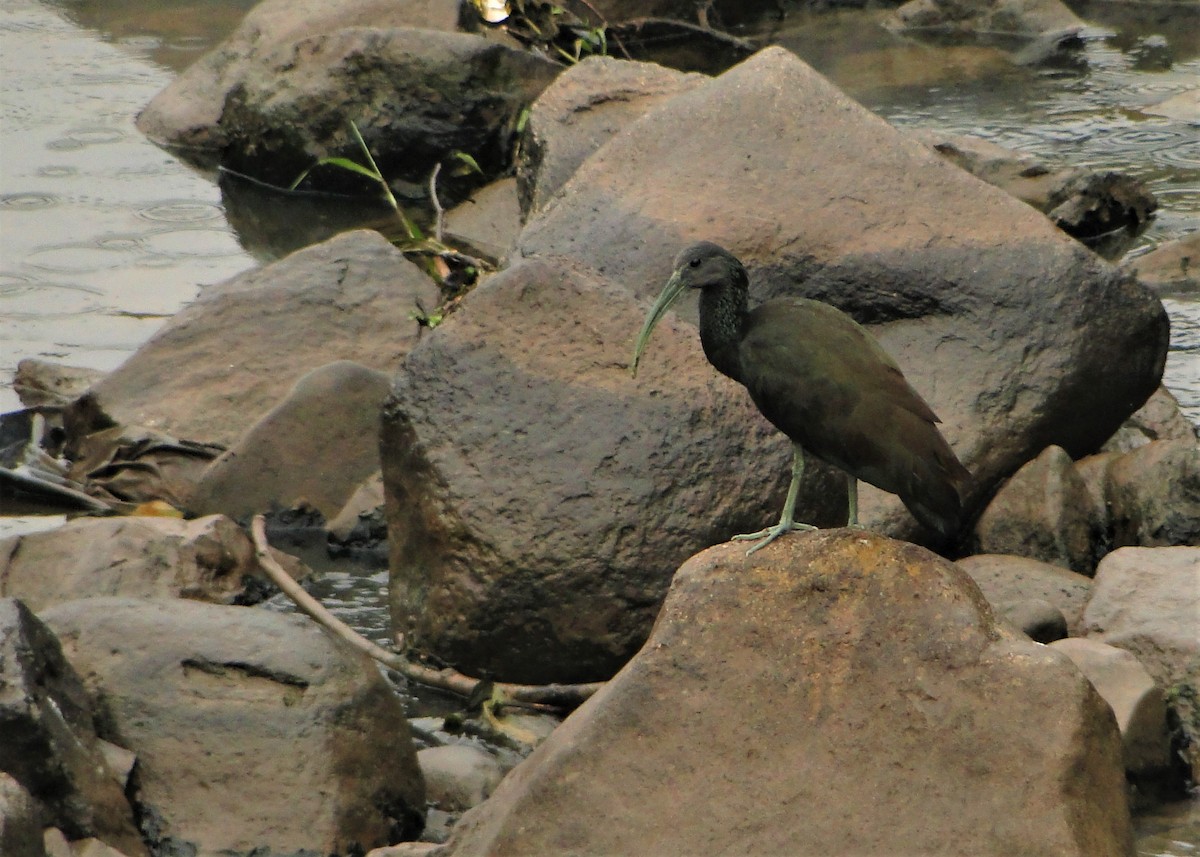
(803, 702)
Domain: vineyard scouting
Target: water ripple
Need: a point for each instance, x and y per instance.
(28, 201)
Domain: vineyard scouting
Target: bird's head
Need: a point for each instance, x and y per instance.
(701, 266)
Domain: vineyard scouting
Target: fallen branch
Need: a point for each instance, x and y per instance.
(565, 696)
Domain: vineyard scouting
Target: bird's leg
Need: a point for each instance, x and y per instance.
(787, 521)
(852, 501)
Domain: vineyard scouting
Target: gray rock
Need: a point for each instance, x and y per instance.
(362, 517)
(1146, 601)
(1044, 512)
(231, 355)
(1014, 579)
(1159, 419)
(1134, 698)
(802, 701)
(187, 114)
(1037, 619)
(537, 500)
(579, 112)
(209, 559)
(50, 745)
(1154, 494)
(458, 776)
(279, 723)
(419, 96)
(311, 449)
(488, 222)
(20, 820)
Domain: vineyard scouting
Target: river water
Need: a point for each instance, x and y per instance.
(103, 235)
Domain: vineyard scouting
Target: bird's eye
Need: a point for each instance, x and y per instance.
(694, 263)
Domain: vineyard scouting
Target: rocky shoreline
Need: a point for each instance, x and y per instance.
(550, 520)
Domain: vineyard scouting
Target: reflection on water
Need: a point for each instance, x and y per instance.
(103, 234)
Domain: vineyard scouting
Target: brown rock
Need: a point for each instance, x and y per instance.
(802, 702)
(313, 448)
(1154, 494)
(1044, 512)
(226, 359)
(209, 559)
(579, 112)
(1008, 579)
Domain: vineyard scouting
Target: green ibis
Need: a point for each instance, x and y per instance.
(827, 384)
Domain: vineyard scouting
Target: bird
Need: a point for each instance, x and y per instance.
(825, 382)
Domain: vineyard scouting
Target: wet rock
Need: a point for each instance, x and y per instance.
(20, 820)
(209, 559)
(798, 201)
(1184, 106)
(1095, 204)
(1159, 419)
(418, 95)
(458, 776)
(1083, 203)
(1172, 267)
(1007, 579)
(1146, 601)
(1044, 512)
(313, 448)
(361, 520)
(231, 355)
(42, 383)
(891, 687)
(1038, 620)
(50, 744)
(187, 114)
(282, 723)
(1134, 698)
(1152, 53)
(1154, 494)
(538, 500)
(579, 112)
(1006, 17)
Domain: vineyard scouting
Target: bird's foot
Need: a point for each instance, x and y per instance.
(770, 534)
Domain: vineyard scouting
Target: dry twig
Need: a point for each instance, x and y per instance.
(564, 696)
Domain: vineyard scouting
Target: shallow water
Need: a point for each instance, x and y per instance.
(103, 235)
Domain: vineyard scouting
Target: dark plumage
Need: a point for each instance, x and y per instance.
(825, 382)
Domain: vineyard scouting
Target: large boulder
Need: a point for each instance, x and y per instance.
(816, 195)
(255, 731)
(50, 744)
(835, 694)
(209, 559)
(556, 488)
(231, 355)
(537, 499)
(187, 114)
(1154, 494)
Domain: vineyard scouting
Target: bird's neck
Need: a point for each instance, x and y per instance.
(722, 314)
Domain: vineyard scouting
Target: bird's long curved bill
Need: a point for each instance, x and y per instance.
(670, 293)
